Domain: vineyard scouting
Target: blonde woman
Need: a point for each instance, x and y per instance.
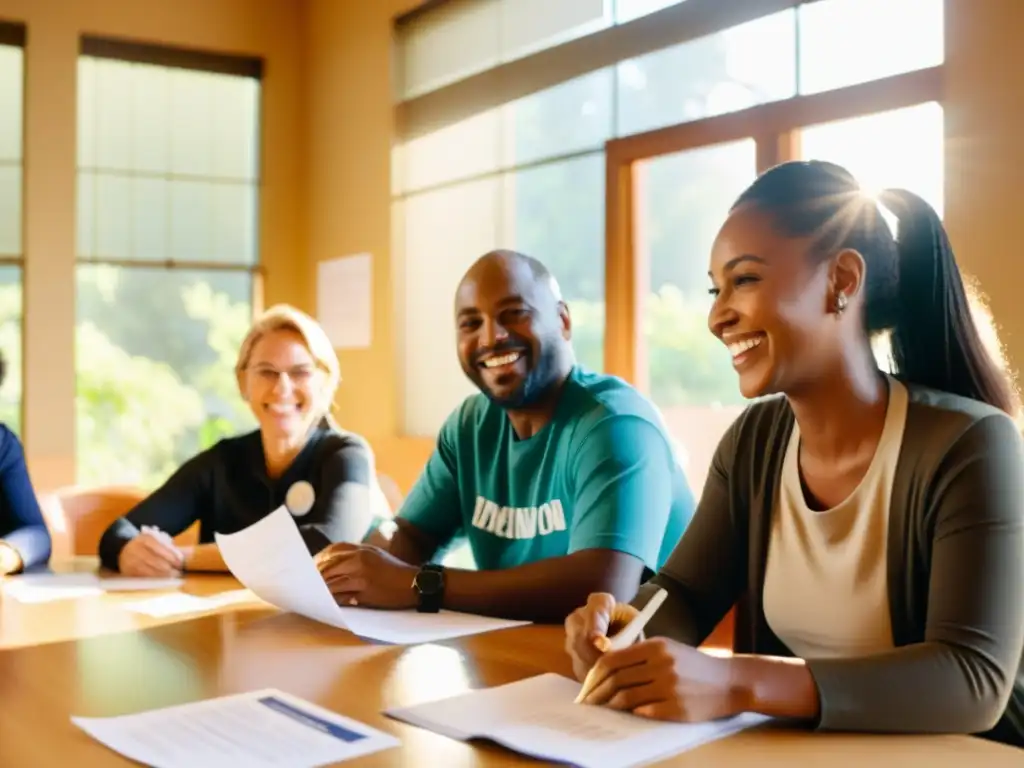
(288, 373)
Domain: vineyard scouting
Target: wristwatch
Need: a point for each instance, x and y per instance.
(429, 585)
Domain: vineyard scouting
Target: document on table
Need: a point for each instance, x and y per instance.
(178, 603)
(537, 717)
(46, 587)
(270, 558)
(258, 729)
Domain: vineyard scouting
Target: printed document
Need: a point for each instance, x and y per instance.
(259, 729)
(270, 558)
(46, 587)
(537, 717)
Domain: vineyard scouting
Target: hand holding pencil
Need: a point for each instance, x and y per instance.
(590, 630)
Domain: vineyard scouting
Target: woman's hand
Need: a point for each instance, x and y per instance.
(151, 554)
(587, 630)
(666, 680)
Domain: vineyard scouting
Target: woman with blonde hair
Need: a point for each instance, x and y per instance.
(287, 372)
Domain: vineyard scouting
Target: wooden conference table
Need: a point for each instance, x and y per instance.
(89, 656)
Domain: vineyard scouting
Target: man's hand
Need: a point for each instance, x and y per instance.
(367, 576)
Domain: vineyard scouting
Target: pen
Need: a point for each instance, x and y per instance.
(625, 637)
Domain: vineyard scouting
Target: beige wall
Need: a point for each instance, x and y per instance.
(349, 134)
(327, 139)
(985, 154)
(271, 29)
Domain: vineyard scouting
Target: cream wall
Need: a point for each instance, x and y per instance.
(985, 154)
(271, 29)
(349, 134)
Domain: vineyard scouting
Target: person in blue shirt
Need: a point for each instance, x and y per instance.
(24, 538)
(561, 479)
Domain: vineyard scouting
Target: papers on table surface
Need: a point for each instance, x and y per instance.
(537, 717)
(270, 558)
(45, 587)
(178, 603)
(256, 729)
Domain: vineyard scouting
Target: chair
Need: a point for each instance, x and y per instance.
(77, 516)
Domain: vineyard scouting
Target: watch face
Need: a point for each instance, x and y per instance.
(428, 581)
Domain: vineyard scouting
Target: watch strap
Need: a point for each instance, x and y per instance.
(430, 598)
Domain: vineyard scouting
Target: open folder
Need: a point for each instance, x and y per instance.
(270, 558)
(538, 717)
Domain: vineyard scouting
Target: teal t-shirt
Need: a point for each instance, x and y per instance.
(602, 474)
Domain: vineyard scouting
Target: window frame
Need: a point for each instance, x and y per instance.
(775, 127)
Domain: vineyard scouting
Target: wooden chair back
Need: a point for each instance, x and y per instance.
(78, 516)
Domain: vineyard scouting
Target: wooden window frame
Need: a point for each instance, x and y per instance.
(776, 129)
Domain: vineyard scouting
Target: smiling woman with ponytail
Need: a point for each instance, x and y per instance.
(867, 525)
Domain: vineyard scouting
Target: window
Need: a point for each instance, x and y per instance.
(555, 212)
(11, 251)
(445, 231)
(627, 10)
(683, 198)
(528, 175)
(167, 244)
(527, 172)
(465, 37)
(901, 35)
(901, 148)
(737, 68)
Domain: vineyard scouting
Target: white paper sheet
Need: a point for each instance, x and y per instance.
(537, 717)
(270, 558)
(259, 729)
(47, 587)
(178, 603)
(344, 307)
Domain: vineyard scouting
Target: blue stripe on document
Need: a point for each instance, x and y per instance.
(324, 726)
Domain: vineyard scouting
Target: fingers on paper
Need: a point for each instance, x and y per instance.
(342, 565)
(329, 554)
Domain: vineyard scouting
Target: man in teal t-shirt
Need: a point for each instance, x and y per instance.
(564, 482)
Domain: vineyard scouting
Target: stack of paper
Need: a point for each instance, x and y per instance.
(259, 729)
(270, 558)
(537, 717)
(45, 587)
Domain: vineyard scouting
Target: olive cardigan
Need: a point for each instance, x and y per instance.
(955, 571)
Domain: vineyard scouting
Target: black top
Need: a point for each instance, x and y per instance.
(226, 488)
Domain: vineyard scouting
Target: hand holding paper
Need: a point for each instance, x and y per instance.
(270, 558)
(359, 574)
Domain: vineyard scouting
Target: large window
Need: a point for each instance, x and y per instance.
(168, 182)
(527, 170)
(527, 176)
(11, 248)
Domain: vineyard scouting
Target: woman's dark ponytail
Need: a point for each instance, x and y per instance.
(913, 288)
(935, 340)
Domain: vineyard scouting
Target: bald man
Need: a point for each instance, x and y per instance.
(564, 481)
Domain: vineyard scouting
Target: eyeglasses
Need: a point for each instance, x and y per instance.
(298, 375)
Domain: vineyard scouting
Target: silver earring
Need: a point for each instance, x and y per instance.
(840, 303)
